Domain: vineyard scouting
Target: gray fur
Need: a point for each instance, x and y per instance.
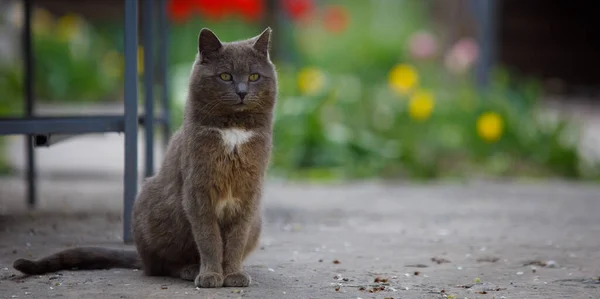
(178, 227)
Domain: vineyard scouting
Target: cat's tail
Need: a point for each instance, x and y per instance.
(81, 258)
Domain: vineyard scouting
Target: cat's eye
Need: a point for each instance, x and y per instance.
(225, 76)
(253, 77)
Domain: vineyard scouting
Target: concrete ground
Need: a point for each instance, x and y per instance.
(443, 240)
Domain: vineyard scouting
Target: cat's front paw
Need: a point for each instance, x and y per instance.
(209, 280)
(238, 279)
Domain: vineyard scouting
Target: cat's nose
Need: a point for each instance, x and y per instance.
(242, 94)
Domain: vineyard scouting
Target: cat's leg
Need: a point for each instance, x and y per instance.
(253, 236)
(207, 236)
(188, 272)
(153, 265)
(237, 240)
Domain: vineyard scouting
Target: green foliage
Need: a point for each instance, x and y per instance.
(11, 86)
(347, 122)
(374, 135)
(72, 63)
(355, 126)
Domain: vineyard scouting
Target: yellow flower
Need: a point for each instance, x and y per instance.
(112, 64)
(421, 105)
(140, 55)
(42, 21)
(311, 80)
(68, 27)
(402, 78)
(490, 126)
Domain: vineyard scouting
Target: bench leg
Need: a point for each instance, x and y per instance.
(148, 40)
(162, 52)
(28, 86)
(131, 115)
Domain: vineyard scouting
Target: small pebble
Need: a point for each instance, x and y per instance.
(519, 273)
(271, 270)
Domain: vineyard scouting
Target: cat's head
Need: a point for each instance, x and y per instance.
(230, 77)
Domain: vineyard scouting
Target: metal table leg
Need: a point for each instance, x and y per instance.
(162, 52)
(486, 12)
(28, 74)
(147, 19)
(131, 114)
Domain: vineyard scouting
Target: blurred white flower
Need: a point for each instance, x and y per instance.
(422, 45)
(462, 55)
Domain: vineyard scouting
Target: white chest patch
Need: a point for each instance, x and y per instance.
(233, 138)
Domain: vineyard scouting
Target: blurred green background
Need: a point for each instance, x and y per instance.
(368, 89)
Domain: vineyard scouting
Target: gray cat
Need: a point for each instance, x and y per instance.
(199, 217)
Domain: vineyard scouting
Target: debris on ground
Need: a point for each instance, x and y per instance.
(377, 288)
(440, 260)
(380, 280)
(337, 262)
(546, 264)
(487, 259)
(416, 266)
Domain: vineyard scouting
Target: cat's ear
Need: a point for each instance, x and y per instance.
(263, 42)
(208, 42)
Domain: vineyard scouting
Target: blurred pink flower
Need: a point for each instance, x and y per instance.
(462, 55)
(422, 45)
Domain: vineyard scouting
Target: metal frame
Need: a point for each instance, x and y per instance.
(485, 12)
(44, 131)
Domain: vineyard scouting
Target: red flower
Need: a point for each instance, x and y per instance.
(250, 9)
(336, 19)
(180, 10)
(214, 9)
(298, 9)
